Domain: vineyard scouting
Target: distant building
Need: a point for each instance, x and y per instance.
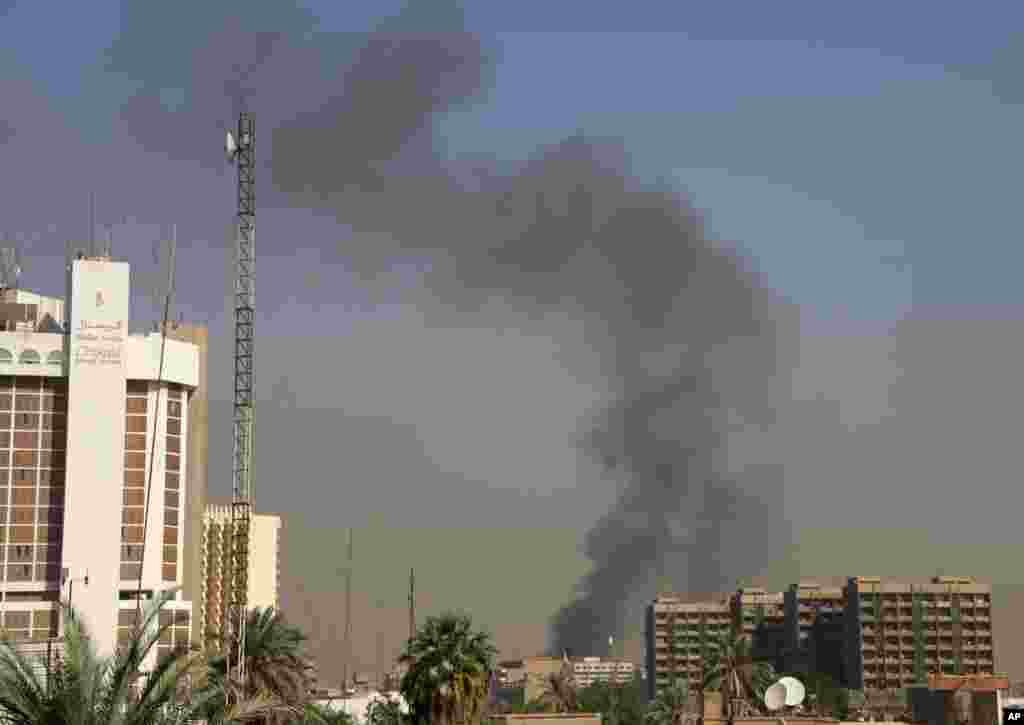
(588, 670)
(264, 565)
(536, 671)
(865, 635)
(511, 673)
(677, 634)
(811, 612)
(953, 627)
(760, 615)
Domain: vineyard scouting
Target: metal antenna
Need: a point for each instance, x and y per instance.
(412, 605)
(242, 151)
(92, 224)
(348, 613)
(152, 448)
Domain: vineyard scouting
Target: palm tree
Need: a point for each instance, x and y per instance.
(559, 693)
(278, 675)
(449, 669)
(670, 705)
(87, 689)
(731, 669)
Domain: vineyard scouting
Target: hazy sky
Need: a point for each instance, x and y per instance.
(864, 156)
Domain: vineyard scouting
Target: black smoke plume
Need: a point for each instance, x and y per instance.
(687, 340)
(689, 344)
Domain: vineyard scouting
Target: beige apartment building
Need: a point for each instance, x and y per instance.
(677, 635)
(90, 422)
(865, 635)
(264, 565)
(955, 623)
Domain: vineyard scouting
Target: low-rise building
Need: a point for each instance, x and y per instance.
(588, 670)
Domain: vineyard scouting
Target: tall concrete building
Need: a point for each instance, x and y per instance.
(948, 620)
(88, 424)
(264, 565)
(198, 423)
(813, 613)
(677, 635)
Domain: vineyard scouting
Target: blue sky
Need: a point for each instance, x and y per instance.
(866, 157)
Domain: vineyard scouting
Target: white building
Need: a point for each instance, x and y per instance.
(358, 707)
(588, 670)
(264, 564)
(88, 424)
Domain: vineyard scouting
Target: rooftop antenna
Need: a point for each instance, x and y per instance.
(412, 605)
(348, 614)
(92, 224)
(152, 449)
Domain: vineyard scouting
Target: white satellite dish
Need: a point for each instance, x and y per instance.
(795, 691)
(775, 696)
(230, 147)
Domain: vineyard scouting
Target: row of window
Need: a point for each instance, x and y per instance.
(31, 357)
(171, 505)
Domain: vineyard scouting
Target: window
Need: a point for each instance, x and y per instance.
(29, 357)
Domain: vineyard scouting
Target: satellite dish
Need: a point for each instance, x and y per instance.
(795, 691)
(775, 696)
(230, 147)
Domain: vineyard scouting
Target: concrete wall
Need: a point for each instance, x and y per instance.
(95, 444)
(198, 469)
(575, 718)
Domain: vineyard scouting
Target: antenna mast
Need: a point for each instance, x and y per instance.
(242, 150)
(348, 614)
(412, 605)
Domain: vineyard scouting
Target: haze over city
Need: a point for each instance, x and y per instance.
(813, 302)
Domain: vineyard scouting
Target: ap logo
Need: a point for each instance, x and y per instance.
(1013, 715)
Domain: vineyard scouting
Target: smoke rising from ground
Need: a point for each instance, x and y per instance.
(688, 342)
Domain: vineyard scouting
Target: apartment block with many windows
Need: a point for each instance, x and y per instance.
(896, 627)
(677, 637)
(264, 566)
(90, 424)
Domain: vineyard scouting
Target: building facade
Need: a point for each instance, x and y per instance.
(895, 629)
(89, 423)
(588, 670)
(812, 613)
(677, 636)
(264, 566)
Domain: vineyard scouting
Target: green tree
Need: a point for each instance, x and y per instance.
(385, 711)
(85, 688)
(730, 669)
(559, 692)
(826, 696)
(618, 703)
(314, 714)
(278, 674)
(449, 669)
(670, 706)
